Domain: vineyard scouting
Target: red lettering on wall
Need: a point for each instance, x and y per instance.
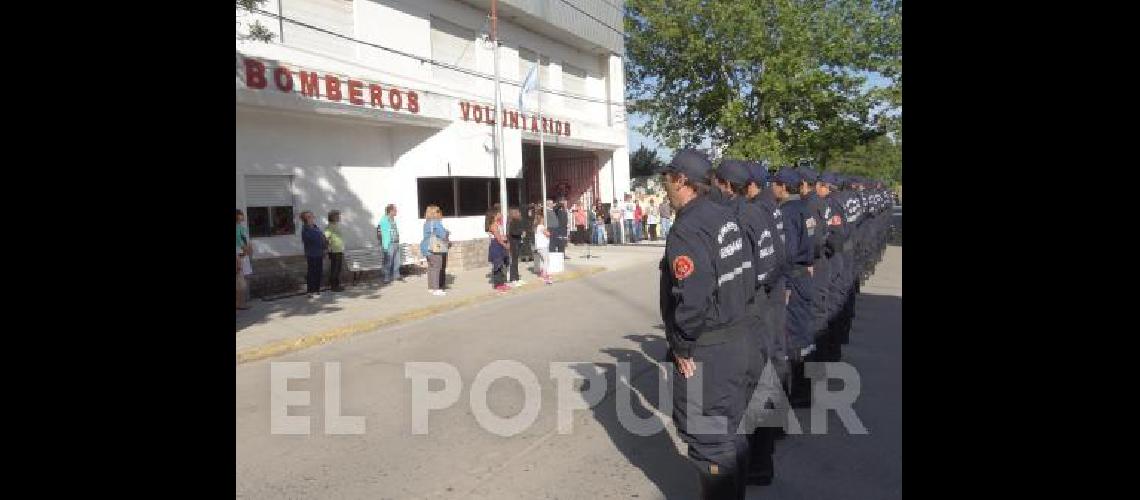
(465, 109)
(558, 128)
(567, 129)
(355, 94)
(413, 102)
(284, 79)
(254, 74)
(545, 126)
(332, 87)
(515, 119)
(478, 114)
(533, 124)
(377, 95)
(309, 85)
(490, 115)
(395, 99)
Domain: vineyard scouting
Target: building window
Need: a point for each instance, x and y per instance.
(439, 191)
(269, 205)
(464, 196)
(332, 15)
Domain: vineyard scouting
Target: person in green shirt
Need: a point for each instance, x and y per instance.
(243, 266)
(390, 243)
(336, 250)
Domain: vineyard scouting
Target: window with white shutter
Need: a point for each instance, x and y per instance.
(269, 205)
(330, 15)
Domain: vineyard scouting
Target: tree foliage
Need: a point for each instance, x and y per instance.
(255, 30)
(765, 79)
(880, 159)
(643, 161)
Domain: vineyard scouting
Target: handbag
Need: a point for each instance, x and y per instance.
(437, 244)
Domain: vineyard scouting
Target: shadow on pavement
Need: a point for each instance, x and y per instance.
(655, 455)
(300, 304)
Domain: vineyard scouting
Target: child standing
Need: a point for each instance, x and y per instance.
(541, 247)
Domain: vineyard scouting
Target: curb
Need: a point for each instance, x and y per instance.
(286, 346)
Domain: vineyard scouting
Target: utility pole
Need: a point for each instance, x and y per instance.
(498, 129)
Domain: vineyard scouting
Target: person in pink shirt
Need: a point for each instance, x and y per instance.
(637, 215)
(580, 224)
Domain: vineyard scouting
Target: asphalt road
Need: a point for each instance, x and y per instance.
(599, 320)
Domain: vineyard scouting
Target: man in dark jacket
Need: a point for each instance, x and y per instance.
(558, 236)
(315, 245)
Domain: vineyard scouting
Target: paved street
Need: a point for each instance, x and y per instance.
(603, 318)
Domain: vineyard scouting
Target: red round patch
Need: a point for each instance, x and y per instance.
(682, 267)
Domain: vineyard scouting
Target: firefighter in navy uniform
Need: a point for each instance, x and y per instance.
(861, 228)
(800, 246)
(733, 179)
(704, 305)
(765, 197)
(853, 211)
(821, 266)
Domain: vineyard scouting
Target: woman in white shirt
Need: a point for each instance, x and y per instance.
(652, 220)
(541, 247)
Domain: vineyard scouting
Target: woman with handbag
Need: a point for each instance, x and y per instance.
(434, 248)
(498, 253)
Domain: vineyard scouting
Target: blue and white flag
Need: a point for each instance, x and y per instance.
(528, 85)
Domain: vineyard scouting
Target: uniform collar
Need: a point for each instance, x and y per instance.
(678, 212)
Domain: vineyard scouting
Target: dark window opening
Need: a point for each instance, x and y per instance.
(476, 195)
(270, 221)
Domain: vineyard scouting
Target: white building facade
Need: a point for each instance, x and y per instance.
(358, 104)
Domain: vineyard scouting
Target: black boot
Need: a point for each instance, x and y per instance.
(799, 386)
(762, 469)
(721, 485)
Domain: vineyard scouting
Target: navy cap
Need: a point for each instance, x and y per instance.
(734, 171)
(807, 174)
(787, 176)
(757, 173)
(690, 162)
(830, 178)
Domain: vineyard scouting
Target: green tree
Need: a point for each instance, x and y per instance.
(767, 79)
(643, 161)
(881, 159)
(255, 30)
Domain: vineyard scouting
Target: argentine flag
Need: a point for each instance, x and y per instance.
(529, 84)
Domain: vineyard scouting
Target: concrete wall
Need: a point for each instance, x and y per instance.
(359, 159)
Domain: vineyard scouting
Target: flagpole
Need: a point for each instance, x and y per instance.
(541, 141)
(498, 129)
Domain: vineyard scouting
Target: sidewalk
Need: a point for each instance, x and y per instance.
(272, 328)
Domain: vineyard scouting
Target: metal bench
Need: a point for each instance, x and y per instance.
(410, 259)
(363, 259)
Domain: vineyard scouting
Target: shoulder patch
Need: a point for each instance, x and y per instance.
(682, 267)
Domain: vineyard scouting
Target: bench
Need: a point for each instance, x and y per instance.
(410, 259)
(363, 259)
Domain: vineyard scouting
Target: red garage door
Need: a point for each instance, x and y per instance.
(575, 177)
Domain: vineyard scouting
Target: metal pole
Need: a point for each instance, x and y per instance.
(541, 148)
(498, 129)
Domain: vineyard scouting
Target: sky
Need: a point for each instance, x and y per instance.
(636, 138)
